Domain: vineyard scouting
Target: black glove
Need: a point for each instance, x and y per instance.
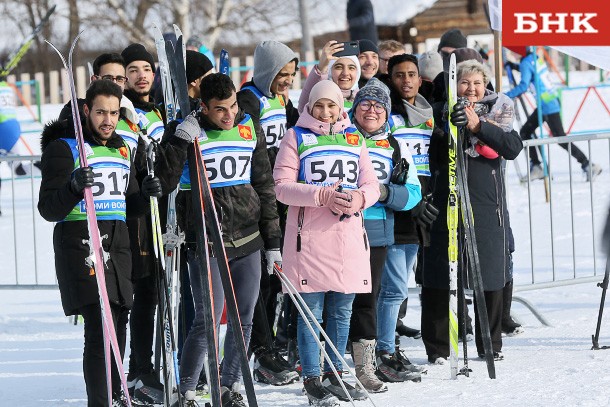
(458, 116)
(512, 65)
(151, 187)
(400, 172)
(425, 212)
(81, 179)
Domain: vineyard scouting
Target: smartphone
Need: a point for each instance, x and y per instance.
(349, 48)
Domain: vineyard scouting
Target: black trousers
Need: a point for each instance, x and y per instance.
(264, 311)
(142, 325)
(363, 323)
(93, 356)
(494, 305)
(435, 320)
(554, 122)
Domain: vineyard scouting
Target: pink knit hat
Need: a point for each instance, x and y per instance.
(325, 89)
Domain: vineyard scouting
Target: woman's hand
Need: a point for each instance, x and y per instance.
(329, 49)
(474, 123)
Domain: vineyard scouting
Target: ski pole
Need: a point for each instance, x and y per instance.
(292, 291)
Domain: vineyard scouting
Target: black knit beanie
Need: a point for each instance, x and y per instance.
(368, 45)
(452, 38)
(197, 65)
(137, 52)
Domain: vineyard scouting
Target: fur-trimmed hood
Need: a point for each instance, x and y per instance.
(57, 129)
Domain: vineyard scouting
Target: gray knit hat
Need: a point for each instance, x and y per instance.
(430, 64)
(374, 90)
(269, 59)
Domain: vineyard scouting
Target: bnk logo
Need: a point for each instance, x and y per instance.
(555, 22)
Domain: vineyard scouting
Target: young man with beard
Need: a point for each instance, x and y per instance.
(245, 201)
(170, 157)
(369, 61)
(61, 201)
(411, 123)
(265, 98)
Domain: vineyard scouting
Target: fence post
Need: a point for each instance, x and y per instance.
(65, 86)
(235, 74)
(81, 81)
(248, 74)
(54, 87)
(26, 88)
(39, 77)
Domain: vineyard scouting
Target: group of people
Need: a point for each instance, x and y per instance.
(347, 192)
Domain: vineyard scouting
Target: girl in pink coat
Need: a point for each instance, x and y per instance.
(326, 177)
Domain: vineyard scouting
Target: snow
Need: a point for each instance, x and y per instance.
(41, 351)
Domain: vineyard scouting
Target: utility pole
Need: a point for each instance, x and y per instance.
(307, 40)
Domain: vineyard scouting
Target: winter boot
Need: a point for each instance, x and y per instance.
(119, 400)
(509, 326)
(536, 172)
(595, 171)
(409, 332)
(317, 394)
(407, 363)
(363, 354)
(497, 356)
(269, 370)
(188, 400)
(332, 384)
(148, 389)
(230, 397)
(391, 369)
(202, 389)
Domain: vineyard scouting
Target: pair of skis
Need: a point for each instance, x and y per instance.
(204, 209)
(97, 257)
(459, 195)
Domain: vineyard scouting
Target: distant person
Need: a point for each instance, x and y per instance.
(361, 20)
(196, 44)
(387, 49)
(530, 66)
(430, 65)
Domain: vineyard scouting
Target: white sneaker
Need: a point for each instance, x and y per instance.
(595, 171)
(536, 172)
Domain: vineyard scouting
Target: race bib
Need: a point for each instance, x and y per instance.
(328, 169)
(274, 131)
(224, 168)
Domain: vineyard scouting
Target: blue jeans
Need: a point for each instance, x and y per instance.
(338, 313)
(394, 290)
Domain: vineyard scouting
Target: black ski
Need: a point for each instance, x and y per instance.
(203, 198)
(473, 256)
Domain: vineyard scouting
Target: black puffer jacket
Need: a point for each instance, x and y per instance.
(77, 286)
(245, 210)
(488, 199)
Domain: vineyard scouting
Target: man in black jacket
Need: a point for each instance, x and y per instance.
(139, 66)
(116, 190)
(245, 201)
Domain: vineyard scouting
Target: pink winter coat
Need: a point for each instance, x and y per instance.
(334, 254)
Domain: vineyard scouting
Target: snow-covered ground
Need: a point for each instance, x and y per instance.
(41, 352)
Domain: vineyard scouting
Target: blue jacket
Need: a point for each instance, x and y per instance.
(527, 67)
(379, 218)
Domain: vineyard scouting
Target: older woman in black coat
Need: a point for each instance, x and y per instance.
(486, 119)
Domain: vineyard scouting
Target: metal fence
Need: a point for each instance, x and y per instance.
(563, 244)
